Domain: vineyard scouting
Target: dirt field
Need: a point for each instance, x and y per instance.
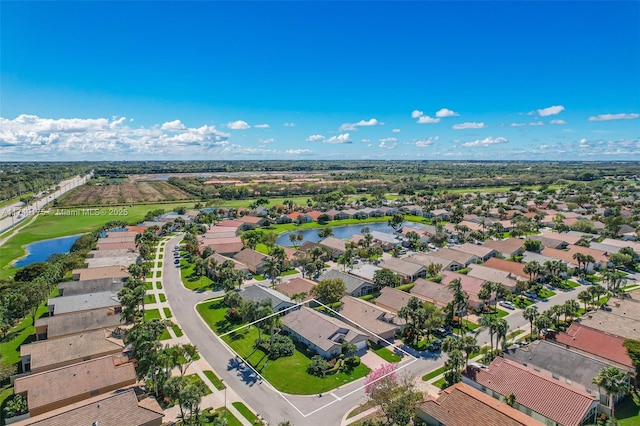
(123, 193)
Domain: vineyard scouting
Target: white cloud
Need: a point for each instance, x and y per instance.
(537, 123)
(315, 138)
(388, 143)
(340, 139)
(468, 125)
(425, 119)
(444, 112)
(173, 126)
(238, 125)
(415, 113)
(365, 140)
(552, 110)
(266, 140)
(77, 138)
(262, 126)
(558, 122)
(421, 143)
(517, 124)
(609, 117)
(298, 151)
(289, 124)
(361, 123)
(395, 130)
(485, 142)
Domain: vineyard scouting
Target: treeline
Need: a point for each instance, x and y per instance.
(18, 179)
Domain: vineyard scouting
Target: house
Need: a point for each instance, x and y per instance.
(386, 240)
(337, 214)
(36, 357)
(569, 237)
(355, 286)
(623, 319)
(470, 285)
(393, 299)
(594, 342)
(336, 246)
(489, 274)
(366, 271)
(258, 293)
(463, 405)
(56, 388)
(408, 271)
(251, 222)
(102, 272)
(296, 286)
(322, 333)
(254, 260)
(506, 248)
(550, 242)
(113, 409)
(538, 396)
(84, 302)
(441, 213)
(95, 254)
(299, 217)
(74, 323)
(109, 245)
(483, 253)
(220, 232)
(376, 322)
(72, 288)
(238, 266)
(516, 269)
(225, 248)
(428, 259)
(111, 258)
(559, 363)
(457, 256)
(434, 293)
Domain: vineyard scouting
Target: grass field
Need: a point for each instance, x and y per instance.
(385, 353)
(214, 379)
(286, 374)
(189, 280)
(246, 413)
(123, 193)
(151, 314)
(628, 412)
(167, 312)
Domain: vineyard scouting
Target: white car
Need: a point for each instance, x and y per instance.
(506, 304)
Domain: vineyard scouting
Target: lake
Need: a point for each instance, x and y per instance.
(340, 232)
(41, 250)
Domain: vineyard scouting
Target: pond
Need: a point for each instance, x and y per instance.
(340, 232)
(41, 250)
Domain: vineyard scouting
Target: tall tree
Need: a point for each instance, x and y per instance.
(614, 382)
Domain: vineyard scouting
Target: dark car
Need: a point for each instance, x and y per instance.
(435, 345)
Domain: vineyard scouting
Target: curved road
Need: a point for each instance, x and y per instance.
(328, 409)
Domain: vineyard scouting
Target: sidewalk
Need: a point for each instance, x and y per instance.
(217, 398)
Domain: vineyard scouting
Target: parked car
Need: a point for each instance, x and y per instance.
(435, 345)
(506, 304)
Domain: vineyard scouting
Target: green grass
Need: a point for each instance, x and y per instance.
(158, 274)
(521, 302)
(159, 285)
(631, 287)
(628, 412)
(229, 417)
(432, 374)
(167, 312)
(246, 413)
(5, 392)
(214, 379)
(151, 314)
(385, 353)
(148, 285)
(159, 264)
(162, 297)
(440, 383)
(259, 277)
(361, 409)
(160, 255)
(545, 293)
(468, 326)
(149, 298)
(176, 329)
(194, 378)
(289, 272)
(285, 374)
(189, 280)
(262, 248)
(571, 284)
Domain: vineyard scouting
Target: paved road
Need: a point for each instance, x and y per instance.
(17, 212)
(268, 402)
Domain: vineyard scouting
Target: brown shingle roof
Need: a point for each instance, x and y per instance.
(435, 293)
(101, 272)
(78, 322)
(515, 268)
(296, 286)
(250, 257)
(394, 299)
(462, 405)
(552, 399)
(75, 380)
(115, 409)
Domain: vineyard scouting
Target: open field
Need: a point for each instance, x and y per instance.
(123, 193)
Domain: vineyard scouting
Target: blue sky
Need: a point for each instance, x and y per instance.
(320, 80)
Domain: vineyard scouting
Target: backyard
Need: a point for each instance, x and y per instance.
(287, 374)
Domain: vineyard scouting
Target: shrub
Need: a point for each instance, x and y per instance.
(317, 366)
(282, 346)
(16, 406)
(353, 361)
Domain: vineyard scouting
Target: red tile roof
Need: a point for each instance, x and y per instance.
(462, 405)
(550, 398)
(515, 268)
(594, 342)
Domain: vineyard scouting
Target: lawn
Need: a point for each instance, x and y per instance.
(546, 293)
(246, 413)
(432, 374)
(148, 285)
(440, 383)
(468, 326)
(214, 379)
(521, 302)
(176, 329)
(289, 272)
(360, 409)
(628, 412)
(385, 353)
(571, 284)
(162, 297)
(191, 281)
(167, 312)
(194, 378)
(159, 285)
(151, 314)
(286, 374)
(158, 274)
(149, 298)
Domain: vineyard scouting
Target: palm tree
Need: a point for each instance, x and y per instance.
(614, 382)
(272, 267)
(570, 307)
(585, 296)
(532, 269)
(530, 314)
(490, 323)
(502, 328)
(468, 345)
(597, 291)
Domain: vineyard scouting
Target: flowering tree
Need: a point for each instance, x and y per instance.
(395, 396)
